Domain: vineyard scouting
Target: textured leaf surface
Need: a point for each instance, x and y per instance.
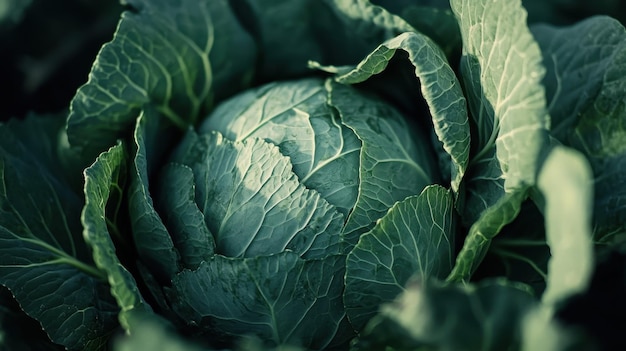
(487, 316)
(415, 238)
(252, 201)
(393, 164)
(104, 180)
(585, 87)
(43, 260)
(185, 222)
(281, 298)
(502, 70)
(163, 53)
(439, 87)
(152, 240)
(566, 184)
(294, 116)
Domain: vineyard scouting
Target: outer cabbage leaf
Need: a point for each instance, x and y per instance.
(393, 163)
(281, 298)
(252, 201)
(502, 71)
(163, 53)
(415, 238)
(487, 316)
(585, 87)
(152, 240)
(566, 183)
(43, 259)
(168, 60)
(294, 116)
(104, 182)
(439, 87)
(176, 203)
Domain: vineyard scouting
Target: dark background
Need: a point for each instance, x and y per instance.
(46, 51)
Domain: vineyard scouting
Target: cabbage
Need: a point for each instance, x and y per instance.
(324, 174)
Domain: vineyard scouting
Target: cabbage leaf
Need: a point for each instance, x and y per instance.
(44, 261)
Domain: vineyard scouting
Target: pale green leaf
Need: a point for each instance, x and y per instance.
(501, 68)
(502, 71)
(252, 201)
(542, 330)
(294, 116)
(566, 183)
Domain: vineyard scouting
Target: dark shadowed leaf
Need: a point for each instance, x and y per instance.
(176, 203)
(281, 298)
(585, 88)
(43, 259)
(152, 240)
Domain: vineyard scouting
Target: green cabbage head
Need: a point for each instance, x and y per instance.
(285, 177)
